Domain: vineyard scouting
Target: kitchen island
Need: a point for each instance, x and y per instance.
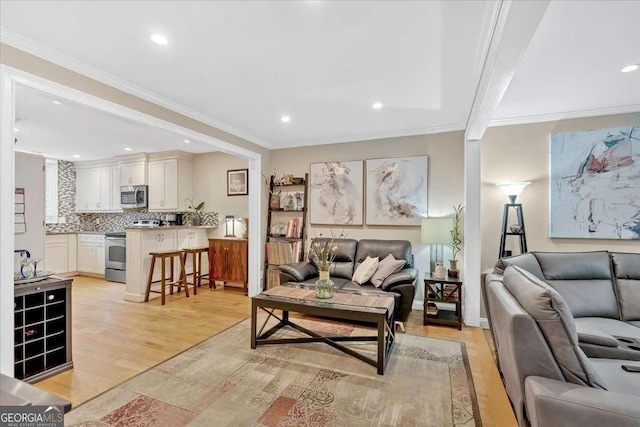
(141, 241)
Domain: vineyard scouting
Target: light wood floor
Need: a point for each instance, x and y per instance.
(114, 340)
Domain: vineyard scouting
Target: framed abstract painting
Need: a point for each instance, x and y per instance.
(336, 193)
(594, 184)
(397, 190)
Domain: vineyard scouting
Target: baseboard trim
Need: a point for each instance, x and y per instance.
(135, 297)
(484, 323)
(417, 305)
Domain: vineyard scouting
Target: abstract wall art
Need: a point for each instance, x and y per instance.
(336, 193)
(594, 184)
(397, 190)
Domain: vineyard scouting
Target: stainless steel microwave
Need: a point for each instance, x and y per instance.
(134, 196)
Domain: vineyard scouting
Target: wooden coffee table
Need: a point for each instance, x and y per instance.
(345, 306)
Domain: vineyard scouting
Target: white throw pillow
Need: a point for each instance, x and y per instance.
(365, 270)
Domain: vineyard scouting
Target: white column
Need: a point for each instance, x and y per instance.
(7, 178)
(472, 232)
(256, 234)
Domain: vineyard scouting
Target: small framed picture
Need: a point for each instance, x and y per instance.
(238, 182)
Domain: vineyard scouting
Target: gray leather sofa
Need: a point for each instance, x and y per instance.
(563, 326)
(351, 253)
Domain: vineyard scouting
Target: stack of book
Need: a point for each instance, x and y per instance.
(450, 291)
(294, 228)
(280, 253)
(432, 309)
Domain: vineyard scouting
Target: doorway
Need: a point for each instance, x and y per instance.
(9, 78)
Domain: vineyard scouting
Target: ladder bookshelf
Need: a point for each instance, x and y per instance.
(285, 240)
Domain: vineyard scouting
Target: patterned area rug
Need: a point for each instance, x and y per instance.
(222, 382)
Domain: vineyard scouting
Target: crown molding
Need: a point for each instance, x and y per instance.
(372, 136)
(552, 117)
(52, 55)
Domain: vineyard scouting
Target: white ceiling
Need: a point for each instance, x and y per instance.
(62, 130)
(246, 64)
(572, 66)
(243, 65)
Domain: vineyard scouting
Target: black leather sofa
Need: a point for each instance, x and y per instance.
(350, 255)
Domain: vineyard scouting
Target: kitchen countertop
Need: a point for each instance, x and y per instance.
(55, 233)
(172, 227)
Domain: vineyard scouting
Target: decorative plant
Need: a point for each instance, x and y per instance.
(196, 209)
(323, 255)
(455, 231)
(277, 187)
(195, 215)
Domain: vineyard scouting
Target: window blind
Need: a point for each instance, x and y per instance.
(51, 191)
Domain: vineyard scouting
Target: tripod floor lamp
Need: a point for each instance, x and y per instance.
(512, 189)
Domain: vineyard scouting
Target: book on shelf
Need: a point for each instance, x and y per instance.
(294, 228)
(273, 277)
(283, 252)
(450, 291)
(432, 309)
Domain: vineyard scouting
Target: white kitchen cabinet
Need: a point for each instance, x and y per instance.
(170, 182)
(60, 253)
(191, 238)
(104, 201)
(91, 253)
(93, 189)
(134, 173)
(82, 189)
(163, 184)
(115, 188)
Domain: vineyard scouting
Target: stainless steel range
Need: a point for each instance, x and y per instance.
(115, 252)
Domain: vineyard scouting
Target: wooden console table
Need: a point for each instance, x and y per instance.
(228, 261)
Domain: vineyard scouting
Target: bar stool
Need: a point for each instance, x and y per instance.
(196, 259)
(180, 283)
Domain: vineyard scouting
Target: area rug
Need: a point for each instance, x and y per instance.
(223, 382)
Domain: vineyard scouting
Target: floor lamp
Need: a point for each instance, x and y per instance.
(437, 233)
(512, 190)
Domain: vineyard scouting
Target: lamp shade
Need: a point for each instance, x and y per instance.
(512, 188)
(436, 230)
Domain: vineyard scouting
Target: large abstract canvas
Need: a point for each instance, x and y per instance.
(397, 190)
(595, 184)
(336, 193)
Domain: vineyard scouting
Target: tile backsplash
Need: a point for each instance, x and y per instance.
(106, 222)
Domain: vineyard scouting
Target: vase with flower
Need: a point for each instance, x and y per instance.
(323, 254)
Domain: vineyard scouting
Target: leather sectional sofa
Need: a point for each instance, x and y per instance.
(564, 324)
(351, 253)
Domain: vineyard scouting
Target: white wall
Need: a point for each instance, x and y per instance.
(29, 175)
(210, 186)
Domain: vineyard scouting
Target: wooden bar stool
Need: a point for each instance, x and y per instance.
(180, 283)
(196, 259)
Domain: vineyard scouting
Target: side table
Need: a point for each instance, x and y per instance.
(447, 290)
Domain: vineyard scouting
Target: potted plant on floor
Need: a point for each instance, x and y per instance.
(456, 241)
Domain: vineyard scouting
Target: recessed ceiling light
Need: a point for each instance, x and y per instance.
(630, 68)
(159, 39)
(16, 130)
(127, 149)
(56, 102)
(285, 119)
(76, 156)
(186, 141)
(377, 105)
